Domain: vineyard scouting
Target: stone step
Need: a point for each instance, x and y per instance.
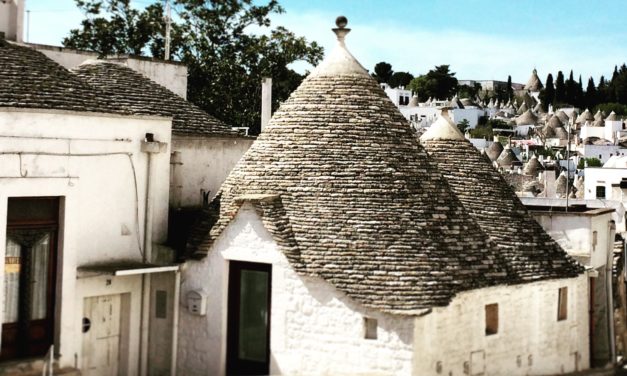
(33, 367)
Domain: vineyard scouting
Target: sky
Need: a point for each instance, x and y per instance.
(479, 39)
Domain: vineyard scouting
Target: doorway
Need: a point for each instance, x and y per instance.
(29, 277)
(105, 335)
(248, 327)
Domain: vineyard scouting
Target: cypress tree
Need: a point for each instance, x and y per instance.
(560, 88)
(591, 94)
(549, 92)
(579, 98)
(571, 90)
(510, 90)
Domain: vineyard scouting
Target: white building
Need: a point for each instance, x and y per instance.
(398, 95)
(83, 209)
(587, 234)
(608, 184)
(323, 260)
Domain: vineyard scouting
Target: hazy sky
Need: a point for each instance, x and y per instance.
(480, 39)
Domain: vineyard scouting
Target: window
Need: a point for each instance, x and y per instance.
(370, 328)
(600, 191)
(491, 319)
(562, 304)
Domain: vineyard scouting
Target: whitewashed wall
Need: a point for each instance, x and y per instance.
(314, 328)
(206, 162)
(100, 210)
(574, 233)
(530, 340)
(12, 19)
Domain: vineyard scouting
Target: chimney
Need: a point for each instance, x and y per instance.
(266, 101)
(12, 19)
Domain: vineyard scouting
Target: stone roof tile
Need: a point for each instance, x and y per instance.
(131, 90)
(356, 200)
(29, 79)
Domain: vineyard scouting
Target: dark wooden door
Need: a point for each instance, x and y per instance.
(248, 332)
(29, 277)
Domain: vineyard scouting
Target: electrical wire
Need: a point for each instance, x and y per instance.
(133, 169)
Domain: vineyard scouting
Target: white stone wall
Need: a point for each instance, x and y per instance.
(314, 328)
(206, 162)
(530, 340)
(99, 205)
(12, 19)
(601, 152)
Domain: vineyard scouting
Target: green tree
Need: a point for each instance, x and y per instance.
(560, 88)
(547, 95)
(589, 162)
(591, 95)
(400, 79)
(509, 89)
(439, 83)
(602, 91)
(463, 125)
(383, 72)
(618, 108)
(466, 91)
(620, 85)
(225, 60)
(571, 90)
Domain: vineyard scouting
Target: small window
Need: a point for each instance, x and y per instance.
(600, 191)
(491, 319)
(370, 328)
(562, 304)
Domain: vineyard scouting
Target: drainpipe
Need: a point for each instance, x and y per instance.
(608, 285)
(266, 102)
(148, 146)
(175, 321)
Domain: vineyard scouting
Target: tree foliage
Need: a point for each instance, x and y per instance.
(509, 89)
(400, 79)
(438, 83)
(463, 125)
(383, 72)
(547, 95)
(226, 61)
(466, 91)
(560, 88)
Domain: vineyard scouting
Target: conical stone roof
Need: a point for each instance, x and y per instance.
(350, 196)
(562, 116)
(533, 166)
(534, 83)
(612, 117)
(554, 122)
(494, 150)
(585, 116)
(527, 118)
(531, 253)
(507, 157)
(414, 101)
(522, 109)
(598, 115)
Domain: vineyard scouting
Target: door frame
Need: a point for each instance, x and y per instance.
(52, 225)
(234, 365)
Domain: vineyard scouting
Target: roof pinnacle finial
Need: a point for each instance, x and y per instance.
(341, 31)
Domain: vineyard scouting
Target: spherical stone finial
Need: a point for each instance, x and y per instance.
(341, 22)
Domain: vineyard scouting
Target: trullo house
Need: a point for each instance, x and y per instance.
(341, 249)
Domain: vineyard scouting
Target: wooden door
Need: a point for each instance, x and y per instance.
(101, 335)
(248, 332)
(29, 277)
